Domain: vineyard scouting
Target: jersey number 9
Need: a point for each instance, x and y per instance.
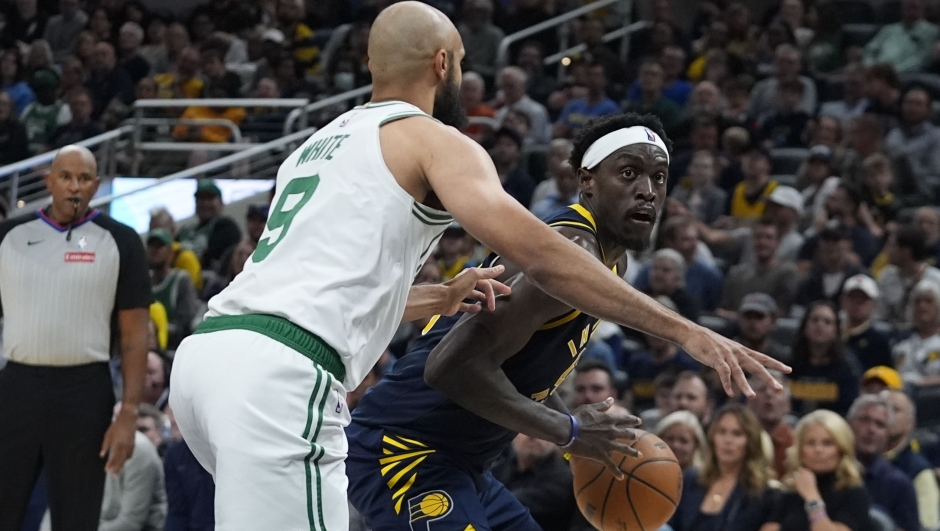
(293, 198)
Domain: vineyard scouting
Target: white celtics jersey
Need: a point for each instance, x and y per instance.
(342, 244)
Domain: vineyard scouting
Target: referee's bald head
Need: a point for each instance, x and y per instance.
(73, 181)
(77, 153)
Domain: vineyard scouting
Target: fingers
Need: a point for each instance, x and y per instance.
(611, 466)
(724, 373)
(488, 293)
(469, 308)
(740, 378)
(625, 449)
(605, 405)
(488, 272)
(105, 444)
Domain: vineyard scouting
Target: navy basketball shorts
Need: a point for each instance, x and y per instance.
(401, 484)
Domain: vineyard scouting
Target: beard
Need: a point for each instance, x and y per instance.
(636, 242)
(447, 108)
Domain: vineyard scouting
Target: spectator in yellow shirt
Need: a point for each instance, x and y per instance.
(291, 15)
(184, 258)
(183, 83)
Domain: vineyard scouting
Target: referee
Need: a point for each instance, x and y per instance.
(72, 280)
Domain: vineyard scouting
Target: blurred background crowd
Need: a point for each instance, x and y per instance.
(802, 218)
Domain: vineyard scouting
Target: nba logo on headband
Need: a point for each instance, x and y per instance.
(650, 136)
(607, 144)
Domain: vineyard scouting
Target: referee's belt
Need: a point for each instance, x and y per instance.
(283, 331)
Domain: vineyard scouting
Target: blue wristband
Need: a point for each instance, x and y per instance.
(575, 431)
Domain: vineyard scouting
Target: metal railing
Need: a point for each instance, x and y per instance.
(622, 33)
(358, 95)
(23, 181)
(502, 53)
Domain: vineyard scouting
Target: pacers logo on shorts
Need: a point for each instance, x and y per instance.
(427, 507)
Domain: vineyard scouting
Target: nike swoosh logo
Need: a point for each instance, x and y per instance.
(34, 243)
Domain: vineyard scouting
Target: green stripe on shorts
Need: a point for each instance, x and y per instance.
(317, 449)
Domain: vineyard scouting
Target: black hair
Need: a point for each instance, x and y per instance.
(911, 237)
(834, 233)
(20, 66)
(593, 364)
(855, 195)
(836, 351)
(599, 127)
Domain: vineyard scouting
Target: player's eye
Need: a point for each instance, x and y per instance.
(660, 177)
(629, 173)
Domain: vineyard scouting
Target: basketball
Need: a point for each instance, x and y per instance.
(643, 500)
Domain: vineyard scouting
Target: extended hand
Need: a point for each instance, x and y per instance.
(731, 359)
(477, 284)
(119, 440)
(599, 433)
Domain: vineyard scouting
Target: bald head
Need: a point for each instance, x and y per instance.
(411, 41)
(73, 181)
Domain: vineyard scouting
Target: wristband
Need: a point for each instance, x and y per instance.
(575, 431)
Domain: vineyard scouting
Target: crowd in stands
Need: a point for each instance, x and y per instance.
(802, 221)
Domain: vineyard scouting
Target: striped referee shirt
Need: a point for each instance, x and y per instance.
(60, 295)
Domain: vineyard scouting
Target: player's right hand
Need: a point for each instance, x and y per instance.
(601, 432)
(475, 283)
(731, 359)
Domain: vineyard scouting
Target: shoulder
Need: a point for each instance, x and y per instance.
(8, 225)
(118, 230)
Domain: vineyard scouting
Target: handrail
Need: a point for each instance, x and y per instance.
(221, 102)
(212, 165)
(198, 122)
(503, 50)
(324, 103)
(190, 146)
(43, 158)
(620, 32)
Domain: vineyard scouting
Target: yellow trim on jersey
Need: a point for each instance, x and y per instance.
(567, 223)
(430, 324)
(561, 320)
(586, 213)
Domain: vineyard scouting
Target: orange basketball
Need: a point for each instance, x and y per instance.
(643, 500)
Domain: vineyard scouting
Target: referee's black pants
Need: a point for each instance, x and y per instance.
(54, 418)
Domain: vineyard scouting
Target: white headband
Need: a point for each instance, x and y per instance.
(607, 144)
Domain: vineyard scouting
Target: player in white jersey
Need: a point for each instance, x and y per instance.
(258, 391)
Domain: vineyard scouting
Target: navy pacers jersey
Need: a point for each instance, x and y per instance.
(404, 405)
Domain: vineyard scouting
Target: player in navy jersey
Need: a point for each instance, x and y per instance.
(421, 441)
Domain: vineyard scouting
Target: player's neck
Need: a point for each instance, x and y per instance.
(418, 98)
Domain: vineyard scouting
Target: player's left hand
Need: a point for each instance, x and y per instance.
(478, 284)
(118, 441)
(731, 359)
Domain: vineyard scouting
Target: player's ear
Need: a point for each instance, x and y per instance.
(440, 64)
(586, 182)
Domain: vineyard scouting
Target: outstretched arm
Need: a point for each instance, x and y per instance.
(466, 182)
(478, 284)
(467, 367)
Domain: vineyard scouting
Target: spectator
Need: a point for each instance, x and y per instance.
(830, 269)
(67, 345)
(738, 93)
(183, 258)
(747, 202)
(691, 393)
(82, 127)
(703, 281)
(14, 142)
(822, 181)
(596, 104)
(480, 36)
(591, 34)
(85, 49)
(46, 114)
(73, 77)
(888, 487)
(767, 275)
(730, 490)
(916, 138)
(512, 86)
(130, 38)
(764, 96)
(156, 382)
(858, 302)
(100, 25)
(673, 61)
(703, 136)
(566, 189)
(176, 40)
(11, 80)
(882, 86)
(823, 376)
(682, 432)
(652, 100)
(24, 24)
(151, 423)
(853, 102)
(300, 38)
(881, 205)
(879, 378)
(843, 207)
(904, 453)
(789, 126)
(212, 233)
(171, 287)
(107, 82)
(136, 497)
(825, 52)
(454, 252)
(154, 51)
(530, 58)
(707, 103)
(757, 318)
(220, 84)
(906, 44)
(472, 89)
(662, 386)
(507, 156)
(183, 83)
(927, 219)
(62, 30)
(917, 358)
(190, 491)
(698, 191)
(593, 383)
(643, 366)
(667, 279)
(541, 480)
(908, 255)
(772, 407)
